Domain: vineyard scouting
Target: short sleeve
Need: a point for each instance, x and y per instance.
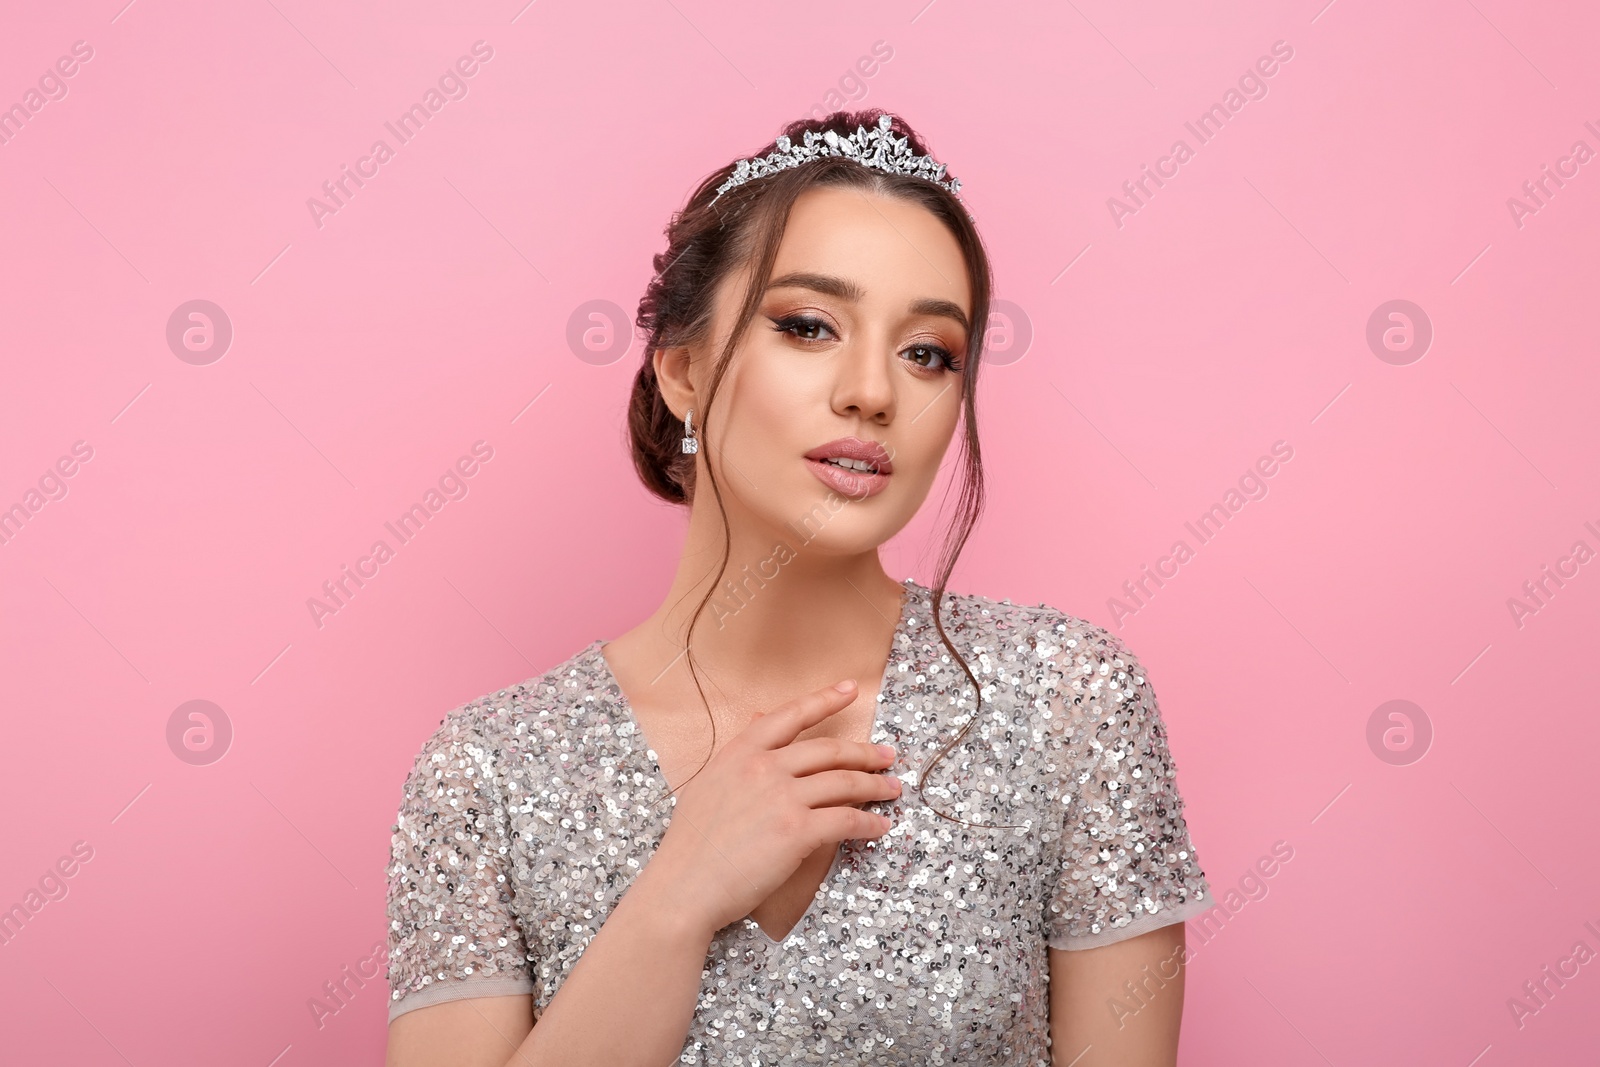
(452, 930)
(1127, 863)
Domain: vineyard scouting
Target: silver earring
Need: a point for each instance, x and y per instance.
(691, 443)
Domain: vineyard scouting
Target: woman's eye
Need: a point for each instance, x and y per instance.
(935, 356)
(806, 330)
(798, 325)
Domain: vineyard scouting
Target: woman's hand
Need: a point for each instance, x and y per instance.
(763, 804)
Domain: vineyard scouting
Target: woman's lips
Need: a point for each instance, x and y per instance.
(858, 485)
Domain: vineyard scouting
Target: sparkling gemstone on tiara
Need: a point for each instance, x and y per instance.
(877, 148)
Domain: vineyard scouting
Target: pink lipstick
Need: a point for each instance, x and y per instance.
(852, 467)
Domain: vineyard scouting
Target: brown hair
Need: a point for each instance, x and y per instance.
(706, 243)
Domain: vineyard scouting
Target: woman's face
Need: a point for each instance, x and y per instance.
(861, 334)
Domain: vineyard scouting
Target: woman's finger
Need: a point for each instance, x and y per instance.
(816, 754)
(781, 726)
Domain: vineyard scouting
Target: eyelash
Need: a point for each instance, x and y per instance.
(793, 322)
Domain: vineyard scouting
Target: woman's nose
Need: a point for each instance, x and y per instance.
(864, 383)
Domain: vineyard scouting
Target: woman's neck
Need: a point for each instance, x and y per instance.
(782, 619)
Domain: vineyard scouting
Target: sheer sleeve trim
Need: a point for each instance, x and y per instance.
(1167, 916)
(459, 989)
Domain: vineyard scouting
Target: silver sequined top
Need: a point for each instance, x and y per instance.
(529, 812)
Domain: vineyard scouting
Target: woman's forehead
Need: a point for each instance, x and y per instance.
(884, 247)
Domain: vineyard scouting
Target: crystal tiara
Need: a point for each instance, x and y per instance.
(876, 148)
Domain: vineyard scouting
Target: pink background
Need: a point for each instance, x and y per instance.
(1167, 356)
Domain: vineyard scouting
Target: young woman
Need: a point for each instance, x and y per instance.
(689, 844)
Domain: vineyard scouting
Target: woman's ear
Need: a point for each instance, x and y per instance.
(672, 378)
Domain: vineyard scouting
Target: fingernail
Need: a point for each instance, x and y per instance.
(886, 751)
(846, 685)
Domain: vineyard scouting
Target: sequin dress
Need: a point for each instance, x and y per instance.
(529, 812)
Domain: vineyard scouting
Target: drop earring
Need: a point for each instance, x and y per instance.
(691, 443)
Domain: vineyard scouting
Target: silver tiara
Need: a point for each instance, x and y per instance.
(877, 148)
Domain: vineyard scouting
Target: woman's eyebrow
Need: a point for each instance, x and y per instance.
(848, 290)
